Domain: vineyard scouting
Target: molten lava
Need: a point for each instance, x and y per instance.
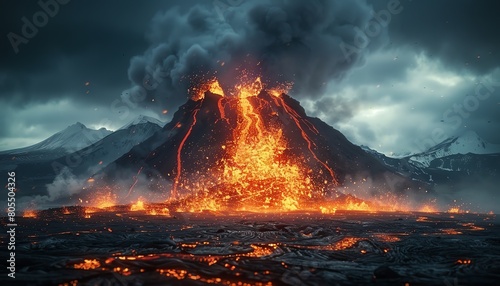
(257, 177)
(255, 174)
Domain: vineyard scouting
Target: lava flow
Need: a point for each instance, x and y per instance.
(257, 177)
(257, 171)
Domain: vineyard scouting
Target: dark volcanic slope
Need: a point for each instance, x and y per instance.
(204, 126)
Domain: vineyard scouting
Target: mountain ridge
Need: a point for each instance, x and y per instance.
(73, 138)
(469, 142)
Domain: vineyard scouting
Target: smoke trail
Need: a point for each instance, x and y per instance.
(284, 41)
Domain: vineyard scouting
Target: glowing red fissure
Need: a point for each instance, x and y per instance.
(173, 194)
(295, 117)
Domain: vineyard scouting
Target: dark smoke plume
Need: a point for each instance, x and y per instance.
(284, 41)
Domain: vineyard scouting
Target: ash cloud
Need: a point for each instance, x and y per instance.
(284, 41)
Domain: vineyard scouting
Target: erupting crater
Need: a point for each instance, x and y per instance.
(257, 169)
(251, 147)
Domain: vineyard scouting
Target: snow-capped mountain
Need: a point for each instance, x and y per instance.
(142, 119)
(71, 139)
(110, 148)
(469, 142)
(457, 159)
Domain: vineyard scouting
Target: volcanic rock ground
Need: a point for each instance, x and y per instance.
(120, 247)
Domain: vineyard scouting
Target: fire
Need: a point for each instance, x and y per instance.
(247, 90)
(105, 201)
(30, 214)
(253, 171)
(280, 89)
(212, 85)
(327, 210)
(356, 206)
(138, 206)
(158, 211)
(428, 209)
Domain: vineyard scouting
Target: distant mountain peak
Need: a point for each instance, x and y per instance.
(79, 124)
(72, 138)
(143, 119)
(467, 142)
(75, 127)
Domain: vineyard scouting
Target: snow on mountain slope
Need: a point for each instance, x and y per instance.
(105, 151)
(73, 138)
(469, 142)
(141, 119)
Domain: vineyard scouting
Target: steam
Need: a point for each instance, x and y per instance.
(64, 186)
(284, 41)
(70, 189)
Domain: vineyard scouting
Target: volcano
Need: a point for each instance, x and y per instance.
(254, 149)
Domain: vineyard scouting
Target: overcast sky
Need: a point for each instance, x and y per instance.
(432, 72)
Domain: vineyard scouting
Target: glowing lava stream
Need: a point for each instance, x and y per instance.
(252, 174)
(173, 194)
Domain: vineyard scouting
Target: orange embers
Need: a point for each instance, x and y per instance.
(182, 274)
(105, 200)
(212, 85)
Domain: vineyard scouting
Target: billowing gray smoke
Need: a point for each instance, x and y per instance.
(309, 43)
